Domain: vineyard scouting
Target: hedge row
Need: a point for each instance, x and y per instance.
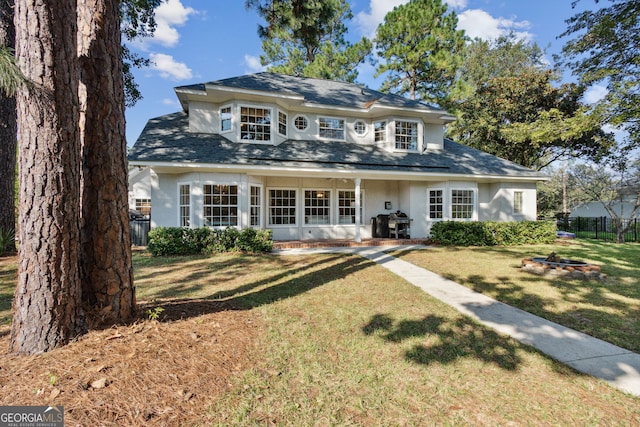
(490, 233)
(165, 241)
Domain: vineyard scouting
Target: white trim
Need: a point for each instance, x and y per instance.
(419, 135)
(231, 121)
(238, 205)
(271, 140)
(296, 206)
(474, 212)
(365, 131)
(513, 202)
(286, 125)
(304, 207)
(306, 120)
(261, 206)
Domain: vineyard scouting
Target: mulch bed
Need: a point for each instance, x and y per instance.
(150, 372)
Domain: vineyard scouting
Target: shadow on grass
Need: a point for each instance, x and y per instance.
(288, 283)
(452, 339)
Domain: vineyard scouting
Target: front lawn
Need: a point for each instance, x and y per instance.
(608, 309)
(300, 340)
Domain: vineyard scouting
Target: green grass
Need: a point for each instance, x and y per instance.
(608, 309)
(346, 342)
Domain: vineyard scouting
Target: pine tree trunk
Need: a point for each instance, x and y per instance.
(47, 310)
(7, 129)
(106, 270)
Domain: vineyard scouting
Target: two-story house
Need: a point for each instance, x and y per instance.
(317, 159)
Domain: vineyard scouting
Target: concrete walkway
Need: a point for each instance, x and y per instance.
(617, 366)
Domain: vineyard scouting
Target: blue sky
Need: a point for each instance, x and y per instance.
(203, 40)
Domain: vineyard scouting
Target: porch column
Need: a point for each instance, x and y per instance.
(358, 239)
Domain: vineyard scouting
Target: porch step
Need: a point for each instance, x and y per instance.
(293, 244)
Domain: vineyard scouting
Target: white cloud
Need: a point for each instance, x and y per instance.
(169, 68)
(595, 94)
(367, 22)
(169, 15)
(253, 63)
(478, 23)
(456, 4)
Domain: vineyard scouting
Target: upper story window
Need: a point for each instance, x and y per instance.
(406, 135)
(380, 131)
(301, 123)
(282, 123)
(360, 127)
(331, 128)
(255, 123)
(225, 119)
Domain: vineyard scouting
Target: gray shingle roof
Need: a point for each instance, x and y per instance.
(314, 91)
(167, 139)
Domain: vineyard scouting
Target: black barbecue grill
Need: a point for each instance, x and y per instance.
(399, 224)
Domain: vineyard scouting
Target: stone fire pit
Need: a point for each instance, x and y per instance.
(554, 265)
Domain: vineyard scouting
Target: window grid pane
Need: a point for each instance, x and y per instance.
(317, 206)
(255, 207)
(517, 202)
(255, 123)
(282, 123)
(462, 204)
(185, 205)
(282, 207)
(406, 135)
(225, 119)
(347, 207)
(436, 206)
(143, 206)
(331, 128)
(380, 134)
(300, 123)
(220, 205)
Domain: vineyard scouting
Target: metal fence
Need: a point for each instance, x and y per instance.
(603, 228)
(139, 229)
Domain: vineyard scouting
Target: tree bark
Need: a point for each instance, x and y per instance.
(7, 129)
(47, 310)
(105, 267)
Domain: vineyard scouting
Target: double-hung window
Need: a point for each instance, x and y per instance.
(331, 128)
(517, 202)
(282, 207)
(220, 205)
(462, 204)
(406, 135)
(255, 124)
(255, 206)
(347, 207)
(380, 131)
(436, 204)
(225, 119)
(282, 123)
(317, 207)
(185, 205)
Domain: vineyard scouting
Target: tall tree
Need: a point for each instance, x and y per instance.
(105, 261)
(47, 302)
(509, 106)
(605, 50)
(421, 50)
(307, 38)
(9, 79)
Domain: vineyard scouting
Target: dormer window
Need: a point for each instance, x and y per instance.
(331, 128)
(406, 135)
(255, 124)
(225, 119)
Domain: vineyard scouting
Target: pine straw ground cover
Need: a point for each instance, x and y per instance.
(298, 340)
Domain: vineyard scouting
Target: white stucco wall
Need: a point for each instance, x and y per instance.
(496, 201)
(596, 209)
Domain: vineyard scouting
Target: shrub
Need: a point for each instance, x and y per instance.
(491, 233)
(168, 241)
(7, 241)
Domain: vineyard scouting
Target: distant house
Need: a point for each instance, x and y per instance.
(597, 209)
(317, 159)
